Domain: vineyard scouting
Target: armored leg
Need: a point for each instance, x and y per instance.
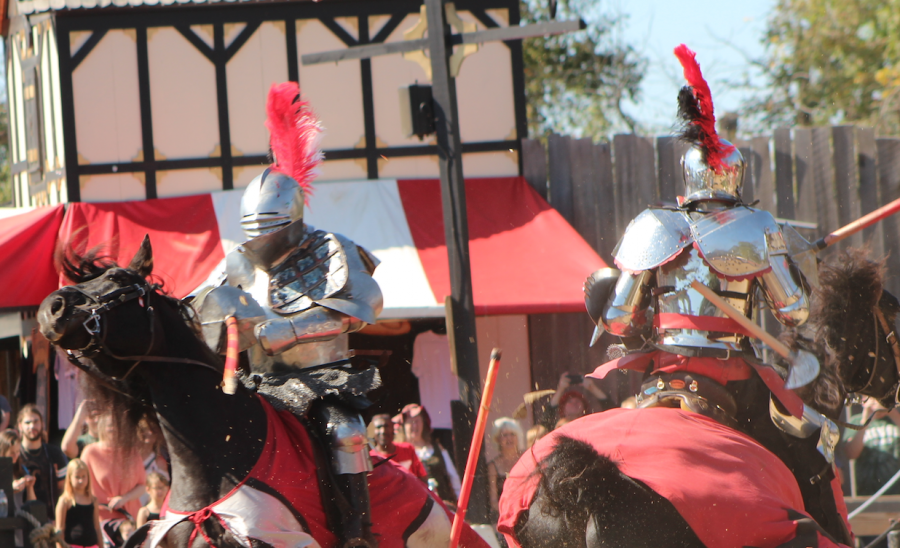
(345, 436)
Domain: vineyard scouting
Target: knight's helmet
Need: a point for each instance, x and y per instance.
(275, 198)
(713, 168)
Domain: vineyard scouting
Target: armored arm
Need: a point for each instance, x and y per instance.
(627, 312)
(783, 287)
(313, 325)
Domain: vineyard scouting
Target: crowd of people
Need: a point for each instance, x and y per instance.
(95, 490)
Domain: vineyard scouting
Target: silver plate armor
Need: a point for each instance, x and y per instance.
(316, 271)
(673, 281)
(736, 250)
(313, 288)
(736, 241)
(652, 238)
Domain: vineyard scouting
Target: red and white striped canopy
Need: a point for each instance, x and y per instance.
(525, 258)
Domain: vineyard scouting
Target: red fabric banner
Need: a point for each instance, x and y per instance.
(183, 232)
(516, 245)
(27, 242)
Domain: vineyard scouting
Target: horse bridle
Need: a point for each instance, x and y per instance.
(891, 338)
(94, 326)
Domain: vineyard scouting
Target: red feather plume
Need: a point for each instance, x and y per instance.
(703, 118)
(293, 134)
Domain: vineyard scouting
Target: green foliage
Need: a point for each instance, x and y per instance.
(6, 191)
(832, 61)
(575, 83)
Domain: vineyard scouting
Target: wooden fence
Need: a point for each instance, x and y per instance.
(825, 175)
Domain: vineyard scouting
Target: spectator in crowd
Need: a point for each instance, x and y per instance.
(535, 433)
(385, 447)
(82, 430)
(6, 411)
(47, 463)
(157, 489)
(77, 512)
(23, 483)
(509, 439)
(570, 401)
(117, 473)
(876, 448)
(152, 448)
(442, 476)
(126, 530)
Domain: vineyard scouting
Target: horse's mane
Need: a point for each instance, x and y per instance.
(850, 286)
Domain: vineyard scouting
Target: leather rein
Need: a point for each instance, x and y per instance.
(94, 325)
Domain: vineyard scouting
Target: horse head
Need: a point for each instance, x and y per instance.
(852, 330)
(109, 315)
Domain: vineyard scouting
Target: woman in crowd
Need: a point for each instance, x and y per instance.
(417, 431)
(509, 439)
(77, 512)
(23, 482)
(117, 474)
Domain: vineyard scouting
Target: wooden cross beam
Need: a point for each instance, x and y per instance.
(460, 307)
(491, 35)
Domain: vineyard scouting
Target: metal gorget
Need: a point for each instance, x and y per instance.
(675, 296)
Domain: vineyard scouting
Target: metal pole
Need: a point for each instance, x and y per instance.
(456, 230)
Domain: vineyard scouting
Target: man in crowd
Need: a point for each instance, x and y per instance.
(403, 454)
(47, 463)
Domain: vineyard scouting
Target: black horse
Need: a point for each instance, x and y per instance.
(143, 355)
(581, 497)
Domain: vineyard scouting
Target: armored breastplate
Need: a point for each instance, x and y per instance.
(675, 296)
(316, 270)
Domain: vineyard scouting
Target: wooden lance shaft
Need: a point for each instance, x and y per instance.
(733, 313)
(475, 449)
(863, 222)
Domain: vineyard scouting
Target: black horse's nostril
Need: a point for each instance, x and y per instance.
(57, 305)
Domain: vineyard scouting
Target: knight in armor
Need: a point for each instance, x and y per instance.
(297, 292)
(669, 329)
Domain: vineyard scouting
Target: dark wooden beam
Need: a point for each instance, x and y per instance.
(456, 229)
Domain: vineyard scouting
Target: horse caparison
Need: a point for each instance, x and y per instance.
(145, 363)
(583, 500)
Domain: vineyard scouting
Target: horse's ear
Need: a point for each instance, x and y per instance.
(142, 263)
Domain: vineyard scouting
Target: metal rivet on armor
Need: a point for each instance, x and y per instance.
(693, 386)
(660, 384)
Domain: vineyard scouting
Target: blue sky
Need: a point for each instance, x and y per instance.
(721, 32)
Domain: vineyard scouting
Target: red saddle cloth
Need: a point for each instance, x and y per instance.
(731, 490)
(286, 470)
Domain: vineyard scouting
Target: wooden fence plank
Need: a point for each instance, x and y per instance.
(585, 193)
(669, 151)
(784, 174)
(635, 170)
(560, 190)
(805, 209)
(748, 190)
(606, 196)
(534, 165)
(868, 188)
(823, 180)
(846, 180)
(889, 189)
(765, 181)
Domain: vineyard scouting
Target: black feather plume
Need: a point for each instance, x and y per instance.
(689, 114)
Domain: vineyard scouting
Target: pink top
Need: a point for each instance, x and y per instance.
(114, 474)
